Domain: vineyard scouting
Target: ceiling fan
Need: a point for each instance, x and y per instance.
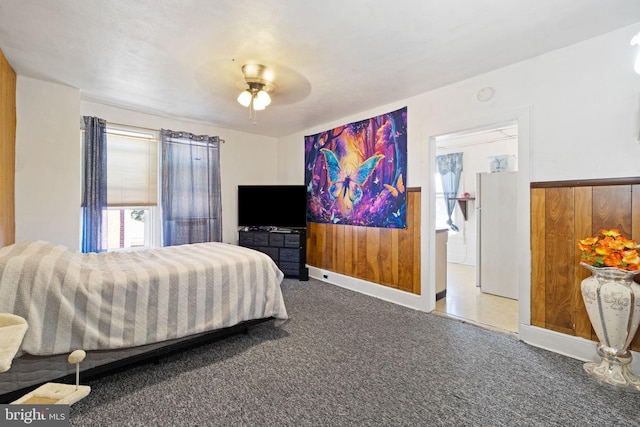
(259, 88)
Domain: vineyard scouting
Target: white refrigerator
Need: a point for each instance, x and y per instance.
(496, 216)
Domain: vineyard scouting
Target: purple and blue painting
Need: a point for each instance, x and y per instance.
(355, 173)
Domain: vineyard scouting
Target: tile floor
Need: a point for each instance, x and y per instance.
(465, 301)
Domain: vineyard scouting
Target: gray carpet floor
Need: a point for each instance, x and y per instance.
(345, 359)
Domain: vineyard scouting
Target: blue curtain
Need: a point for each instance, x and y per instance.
(94, 198)
(191, 201)
(449, 167)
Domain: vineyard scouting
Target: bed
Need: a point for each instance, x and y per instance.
(118, 305)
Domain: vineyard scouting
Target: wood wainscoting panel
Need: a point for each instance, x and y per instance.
(559, 260)
(7, 152)
(635, 208)
(612, 208)
(416, 201)
(350, 257)
(331, 246)
(340, 250)
(538, 262)
(312, 242)
(583, 227)
(407, 255)
(375, 255)
(360, 251)
(561, 214)
(386, 256)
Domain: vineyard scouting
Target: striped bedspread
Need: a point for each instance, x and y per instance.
(115, 300)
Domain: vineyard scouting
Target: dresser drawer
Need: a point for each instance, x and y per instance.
(276, 239)
(290, 268)
(261, 239)
(292, 240)
(245, 239)
(289, 255)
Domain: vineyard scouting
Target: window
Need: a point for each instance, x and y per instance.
(130, 220)
(128, 228)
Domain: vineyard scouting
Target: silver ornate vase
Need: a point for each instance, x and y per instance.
(612, 300)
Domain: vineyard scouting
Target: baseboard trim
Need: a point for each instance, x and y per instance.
(567, 345)
(386, 293)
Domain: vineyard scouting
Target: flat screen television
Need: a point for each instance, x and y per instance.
(280, 206)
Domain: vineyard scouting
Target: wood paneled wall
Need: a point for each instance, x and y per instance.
(389, 257)
(7, 152)
(561, 214)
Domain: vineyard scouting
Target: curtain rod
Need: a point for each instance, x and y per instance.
(142, 127)
(154, 130)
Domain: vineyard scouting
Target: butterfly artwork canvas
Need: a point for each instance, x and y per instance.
(355, 174)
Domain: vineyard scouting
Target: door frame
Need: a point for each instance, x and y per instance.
(522, 117)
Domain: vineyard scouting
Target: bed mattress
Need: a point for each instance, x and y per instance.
(117, 300)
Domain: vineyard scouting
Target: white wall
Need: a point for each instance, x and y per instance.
(48, 163)
(578, 111)
(584, 103)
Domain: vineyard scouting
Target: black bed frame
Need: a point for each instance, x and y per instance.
(151, 356)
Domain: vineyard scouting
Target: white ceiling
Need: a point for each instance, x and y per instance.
(331, 58)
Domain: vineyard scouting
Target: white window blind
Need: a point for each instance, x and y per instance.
(132, 168)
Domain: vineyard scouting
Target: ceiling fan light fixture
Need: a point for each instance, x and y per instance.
(245, 98)
(256, 97)
(262, 98)
(253, 71)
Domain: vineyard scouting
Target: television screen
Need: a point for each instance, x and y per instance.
(283, 206)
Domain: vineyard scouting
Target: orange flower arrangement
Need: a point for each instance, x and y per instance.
(611, 249)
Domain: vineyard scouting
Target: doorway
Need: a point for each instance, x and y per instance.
(464, 298)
